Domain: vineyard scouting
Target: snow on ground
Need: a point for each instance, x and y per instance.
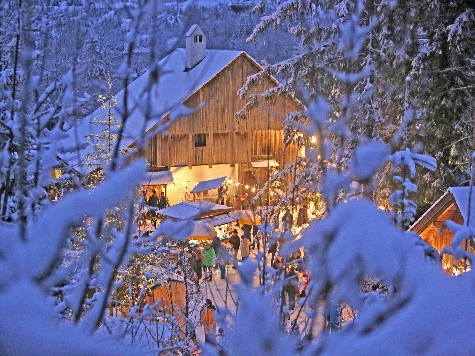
(223, 294)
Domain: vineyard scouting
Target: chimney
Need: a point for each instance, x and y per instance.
(195, 47)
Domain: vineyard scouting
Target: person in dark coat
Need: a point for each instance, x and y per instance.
(291, 286)
(196, 262)
(153, 202)
(235, 242)
(272, 250)
(162, 203)
(302, 217)
(153, 199)
(287, 220)
(215, 243)
(246, 229)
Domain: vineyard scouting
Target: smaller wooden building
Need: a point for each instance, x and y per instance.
(456, 206)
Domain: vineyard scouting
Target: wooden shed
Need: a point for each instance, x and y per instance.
(169, 299)
(208, 141)
(453, 205)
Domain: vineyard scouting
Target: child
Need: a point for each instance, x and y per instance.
(208, 322)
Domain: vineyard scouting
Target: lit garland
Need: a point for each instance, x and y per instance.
(228, 181)
(102, 141)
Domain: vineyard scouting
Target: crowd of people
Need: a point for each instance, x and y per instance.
(218, 254)
(210, 259)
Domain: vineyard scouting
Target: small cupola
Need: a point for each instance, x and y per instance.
(195, 47)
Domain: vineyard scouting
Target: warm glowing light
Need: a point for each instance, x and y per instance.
(313, 139)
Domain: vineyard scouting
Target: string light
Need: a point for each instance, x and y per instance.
(229, 181)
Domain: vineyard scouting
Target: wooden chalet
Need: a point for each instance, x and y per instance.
(212, 137)
(454, 206)
(209, 141)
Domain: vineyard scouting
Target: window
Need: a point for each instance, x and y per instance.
(200, 140)
(198, 38)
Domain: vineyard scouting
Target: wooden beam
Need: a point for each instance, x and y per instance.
(433, 213)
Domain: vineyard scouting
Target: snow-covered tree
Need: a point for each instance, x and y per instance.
(65, 255)
(354, 242)
(444, 68)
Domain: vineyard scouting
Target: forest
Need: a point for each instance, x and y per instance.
(388, 93)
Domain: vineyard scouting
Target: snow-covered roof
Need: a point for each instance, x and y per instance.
(218, 220)
(208, 184)
(191, 30)
(155, 178)
(193, 210)
(153, 98)
(453, 195)
(461, 196)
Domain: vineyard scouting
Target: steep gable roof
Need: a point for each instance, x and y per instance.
(160, 96)
(454, 199)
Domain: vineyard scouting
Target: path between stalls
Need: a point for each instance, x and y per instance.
(223, 294)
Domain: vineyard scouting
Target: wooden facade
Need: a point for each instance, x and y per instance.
(453, 206)
(224, 138)
(210, 141)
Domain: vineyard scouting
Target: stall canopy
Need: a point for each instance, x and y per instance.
(194, 210)
(266, 163)
(156, 178)
(246, 217)
(202, 231)
(218, 220)
(208, 184)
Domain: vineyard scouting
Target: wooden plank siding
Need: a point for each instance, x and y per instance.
(228, 140)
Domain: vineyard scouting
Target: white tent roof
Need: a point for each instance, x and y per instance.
(155, 178)
(193, 210)
(208, 184)
(218, 220)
